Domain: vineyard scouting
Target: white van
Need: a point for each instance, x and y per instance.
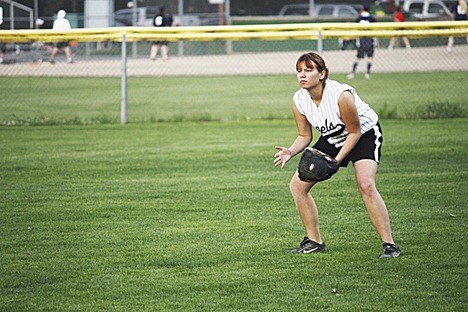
(321, 10)
(427, 9)
(145, 15)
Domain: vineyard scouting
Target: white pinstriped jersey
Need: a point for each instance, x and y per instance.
(326, 118)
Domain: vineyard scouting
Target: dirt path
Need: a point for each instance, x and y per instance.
(398, 60)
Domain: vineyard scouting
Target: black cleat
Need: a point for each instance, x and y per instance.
(309, 246)
(390, 251)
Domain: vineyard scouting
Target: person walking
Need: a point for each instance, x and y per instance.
(2, 51)
(458, 11)
(350, 131)
(398, 18)
(365, 45)
(2, 45)
(161, 20)
(61, 24)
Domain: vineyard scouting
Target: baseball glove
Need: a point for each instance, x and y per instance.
(316, 166)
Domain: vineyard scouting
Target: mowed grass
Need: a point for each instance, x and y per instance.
(194, 217)
(91, 100)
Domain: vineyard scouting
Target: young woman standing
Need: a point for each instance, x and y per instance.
(349, 131)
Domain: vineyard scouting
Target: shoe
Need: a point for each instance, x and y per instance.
(390, 251)
(51, 61)
(367, 75)
(309, 246)
(449, 49)
(350, 76)
(70, 60)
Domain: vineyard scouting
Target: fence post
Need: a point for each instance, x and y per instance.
(320, 43)
(123, 100)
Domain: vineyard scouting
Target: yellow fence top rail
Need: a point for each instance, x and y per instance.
(305, 31)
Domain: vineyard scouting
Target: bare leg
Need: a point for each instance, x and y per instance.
(164, 52)
(407, 43)
(154, 51)
(68, 54)
(392, 43)
(365, 171)
(53, 53)
(450, 44)
(306, 207)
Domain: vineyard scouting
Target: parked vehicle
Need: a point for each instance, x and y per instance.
(426, 9)
(145, 15)
(321, 10)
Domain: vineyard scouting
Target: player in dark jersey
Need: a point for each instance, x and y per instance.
(365, 45)
(458, 11)
(161, 20)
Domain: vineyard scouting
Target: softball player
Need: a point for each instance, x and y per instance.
(349, 131)
(365, 46)
(161, 20)
(62, 24)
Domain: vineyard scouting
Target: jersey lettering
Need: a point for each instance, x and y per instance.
(329, 127)
(158, 20)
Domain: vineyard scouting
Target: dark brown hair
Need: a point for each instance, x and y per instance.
(312, 59)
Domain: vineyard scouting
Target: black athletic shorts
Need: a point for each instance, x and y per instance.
(161, 42)
(61, 45)
(368, 147)
(361, 52)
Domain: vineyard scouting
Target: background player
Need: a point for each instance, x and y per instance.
(61, 24)
(161, 20)
(365, 46)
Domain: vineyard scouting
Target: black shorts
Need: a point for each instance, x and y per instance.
(368, 147)
(61, 45)
(361, 52)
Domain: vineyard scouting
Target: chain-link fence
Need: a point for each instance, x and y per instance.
(207, 57)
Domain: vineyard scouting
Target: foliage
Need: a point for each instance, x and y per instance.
(386, 113)
(441, 110)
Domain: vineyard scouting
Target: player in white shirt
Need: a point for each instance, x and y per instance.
(349, 131)
(61, 24)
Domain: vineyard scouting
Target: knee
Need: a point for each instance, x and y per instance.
(298, 188)
(366, 187)
(293, 188)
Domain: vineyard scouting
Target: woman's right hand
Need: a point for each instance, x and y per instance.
(282, 157)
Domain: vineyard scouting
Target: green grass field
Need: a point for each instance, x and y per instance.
(192, 216)
(51, 101)
(182, 209)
